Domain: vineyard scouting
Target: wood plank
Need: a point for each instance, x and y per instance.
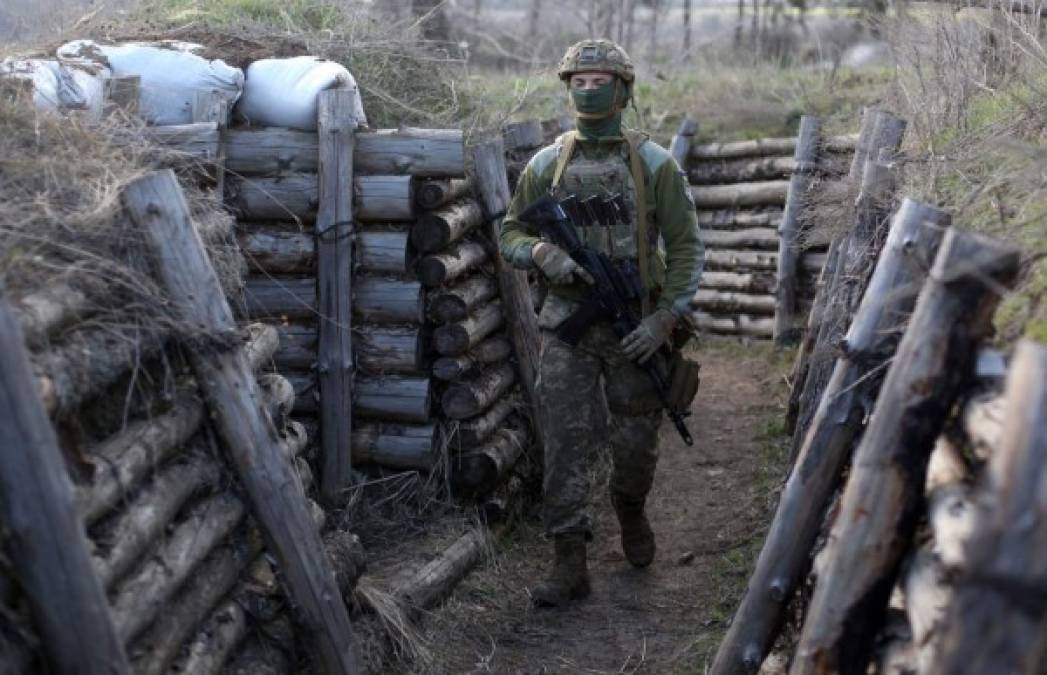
(156, 204)
(46, 541)
(764, 193)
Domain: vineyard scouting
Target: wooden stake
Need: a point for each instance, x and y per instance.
(334, 231)
(493, 188)
(993, 625)
(156, 204)
(914, 237)
(879, 507)
(806, 159)
(680, 146)
(46, 542)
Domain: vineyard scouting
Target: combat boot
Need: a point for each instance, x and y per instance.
(637, 536)
(569, 579)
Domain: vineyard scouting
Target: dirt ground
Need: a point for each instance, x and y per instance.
(709, 509)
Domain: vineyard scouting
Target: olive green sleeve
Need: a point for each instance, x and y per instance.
(684, 252)
(518, 238)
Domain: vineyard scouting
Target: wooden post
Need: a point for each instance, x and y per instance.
(680, 147)
(879, 509)
(334, 231)
(518, 309)
(47, 544)
(210, 106)
(806, 158)
(915, 234)
(846, 269)
(123, 93)
(155, 203)
(992, 625)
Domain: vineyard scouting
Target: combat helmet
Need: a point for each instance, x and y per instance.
(602, 55)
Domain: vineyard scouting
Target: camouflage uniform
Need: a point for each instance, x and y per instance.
(579, 386)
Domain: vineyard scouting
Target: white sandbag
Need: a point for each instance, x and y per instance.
(90, 79)
(171, 75)
(283, 92)
(56, 87)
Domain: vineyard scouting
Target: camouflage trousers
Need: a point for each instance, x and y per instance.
(590, 398)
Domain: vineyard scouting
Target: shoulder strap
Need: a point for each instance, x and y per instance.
(567, 142)
(634, 139)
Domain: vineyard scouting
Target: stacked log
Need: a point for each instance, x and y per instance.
(410, 199)
(739, 190)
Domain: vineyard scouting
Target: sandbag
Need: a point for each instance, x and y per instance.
(53, 88)
(283, 92)
(171, 75)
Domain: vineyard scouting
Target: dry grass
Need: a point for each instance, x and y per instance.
(971, 85)
(61, 220)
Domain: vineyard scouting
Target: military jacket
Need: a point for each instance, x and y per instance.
(601, 167)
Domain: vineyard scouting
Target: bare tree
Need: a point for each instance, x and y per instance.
(686, 29)
(533, 17)
(432, 18)
(607, 19)
(652, 36)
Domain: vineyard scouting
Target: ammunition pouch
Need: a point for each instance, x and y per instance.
(684, 378)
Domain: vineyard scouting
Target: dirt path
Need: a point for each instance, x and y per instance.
(709, 507)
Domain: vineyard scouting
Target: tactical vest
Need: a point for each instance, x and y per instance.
(619, 172)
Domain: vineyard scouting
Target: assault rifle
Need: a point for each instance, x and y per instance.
(616, 287)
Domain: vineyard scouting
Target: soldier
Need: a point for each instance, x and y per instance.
(577, 386)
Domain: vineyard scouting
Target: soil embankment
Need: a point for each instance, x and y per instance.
(709, 509)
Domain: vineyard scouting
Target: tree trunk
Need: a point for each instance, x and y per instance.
(394, 399)
(433, 153)
(295, 197)
(473, 432)
(454, 339)
(379, 300)
(278, 251)
(526, 135)
(765, 193)
(761, 238)
(457, 302)
(442, 268)
(746, 282)
(45, 539)
(155, 204)
(126, 458)
(382, 251)
(384, 349)
(731, 219)
(731, 303)
(471, 397)
(805, 159)
(480, 471)
(740, 324)
(433, 193)
(878, 509)
(492, 350)
(914, 237)
(992, 625)
(736, 260)
(435, 230)
(397, 446)
(436, 579)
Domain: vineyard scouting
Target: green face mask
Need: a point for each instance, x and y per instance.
(599, 101)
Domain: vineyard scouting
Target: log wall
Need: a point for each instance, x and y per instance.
(740, 190)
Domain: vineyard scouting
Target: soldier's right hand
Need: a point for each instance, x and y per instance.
(556, 265)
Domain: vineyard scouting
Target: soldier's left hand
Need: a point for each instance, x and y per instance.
(649, 336)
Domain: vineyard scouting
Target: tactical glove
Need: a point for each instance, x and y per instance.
(652, 333)
(556, 265)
